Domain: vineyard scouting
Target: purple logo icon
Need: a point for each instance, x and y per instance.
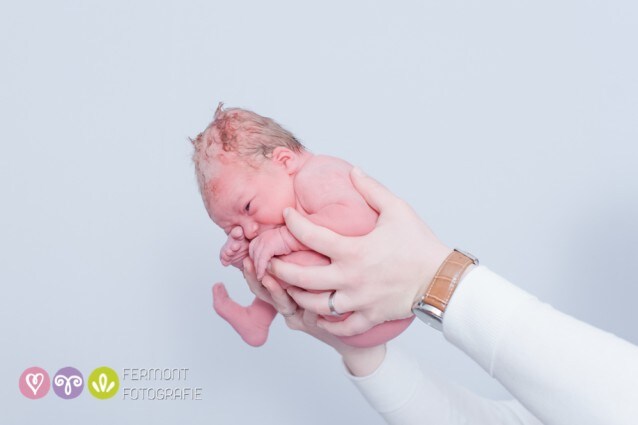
(68, 383)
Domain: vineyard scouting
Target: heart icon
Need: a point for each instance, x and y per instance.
(34, 381)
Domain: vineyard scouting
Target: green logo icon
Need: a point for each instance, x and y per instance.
(103, 383)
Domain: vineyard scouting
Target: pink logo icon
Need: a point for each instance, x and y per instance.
(34, 383)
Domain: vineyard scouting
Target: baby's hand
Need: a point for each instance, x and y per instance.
(235, 249)
(264, 247)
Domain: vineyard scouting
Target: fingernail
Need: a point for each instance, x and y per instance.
(269, 267)
(358, 172)
(286, 212)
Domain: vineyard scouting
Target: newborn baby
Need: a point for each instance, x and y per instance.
(249, 169)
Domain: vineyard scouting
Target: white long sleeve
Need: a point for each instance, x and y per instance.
(562, 370)
(404, 395)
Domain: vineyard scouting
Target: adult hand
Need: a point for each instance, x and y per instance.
(376, 276)
(360, 361)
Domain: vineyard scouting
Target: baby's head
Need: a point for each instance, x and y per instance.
(245, 165)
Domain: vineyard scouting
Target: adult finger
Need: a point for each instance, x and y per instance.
(317, 302)
(307, 277)
(355, 324)
(295, 322)
(255, 286)
(309, 318)
(375, 194)
(283, 303)
(316, 237)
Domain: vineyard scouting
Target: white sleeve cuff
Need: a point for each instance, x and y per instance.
(392, 383)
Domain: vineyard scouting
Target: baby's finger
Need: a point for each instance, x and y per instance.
(262, 262)
(255, 258)
(251, 248)
(353, 325)
(227, 250)
(237, 232)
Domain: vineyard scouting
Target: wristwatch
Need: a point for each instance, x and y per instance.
(430, 306)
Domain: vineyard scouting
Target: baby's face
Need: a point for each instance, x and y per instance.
(251, 198)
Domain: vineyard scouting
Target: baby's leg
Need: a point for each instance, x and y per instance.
(251, 323)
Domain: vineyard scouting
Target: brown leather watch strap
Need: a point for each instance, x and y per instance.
(446, 278)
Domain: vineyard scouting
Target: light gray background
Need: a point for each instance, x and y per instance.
(510, 126)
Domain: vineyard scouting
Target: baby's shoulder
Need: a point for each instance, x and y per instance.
(323, 167)
(323, 180)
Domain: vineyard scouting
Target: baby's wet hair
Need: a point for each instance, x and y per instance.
(238, 134)
(245, 133)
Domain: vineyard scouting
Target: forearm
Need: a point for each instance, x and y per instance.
(290, 241)
(563, 370)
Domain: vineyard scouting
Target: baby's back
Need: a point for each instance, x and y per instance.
(325, 195)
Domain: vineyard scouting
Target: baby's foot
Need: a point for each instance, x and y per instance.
(251, 324)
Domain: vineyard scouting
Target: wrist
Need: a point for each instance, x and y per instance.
(430, 306)
(363, 361)
(289, 241)
(431, 264)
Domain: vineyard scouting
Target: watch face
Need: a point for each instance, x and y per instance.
(430, 315)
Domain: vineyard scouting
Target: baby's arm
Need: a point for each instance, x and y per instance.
(235, 249)
(325, 191)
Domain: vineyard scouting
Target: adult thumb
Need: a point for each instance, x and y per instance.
(375, 194)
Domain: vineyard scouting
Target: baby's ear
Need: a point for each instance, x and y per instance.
(286, 158)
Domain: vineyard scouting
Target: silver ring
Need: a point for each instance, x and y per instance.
(289, 314)
(331, 305)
